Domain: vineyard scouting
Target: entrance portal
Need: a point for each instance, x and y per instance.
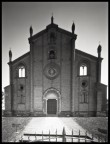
(51, 106)
(51, 102)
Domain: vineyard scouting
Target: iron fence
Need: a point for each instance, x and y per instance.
(29, 137)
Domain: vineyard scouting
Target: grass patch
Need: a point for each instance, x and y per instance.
(8, 132)
(91, 124)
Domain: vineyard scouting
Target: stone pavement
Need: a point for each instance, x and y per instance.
(39, 124)
(52, 123)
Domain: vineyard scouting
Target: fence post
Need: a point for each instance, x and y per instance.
(42, 135)
(28, 138)
(72, 135)
(92, 138)
(35, 136)
(85, 135)
(21, 138)
(56, 135)
(79, 136)
(64, 135)
(49, 135)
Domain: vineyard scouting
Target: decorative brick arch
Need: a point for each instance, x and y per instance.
(51, 93)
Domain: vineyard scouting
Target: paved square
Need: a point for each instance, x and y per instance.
(45, 124)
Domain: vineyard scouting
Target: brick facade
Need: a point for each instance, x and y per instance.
(52, 71)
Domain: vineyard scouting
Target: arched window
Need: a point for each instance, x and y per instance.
(51, 54)
(21, 71)
(83, 70)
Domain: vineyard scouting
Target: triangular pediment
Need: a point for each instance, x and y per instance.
(49, 27)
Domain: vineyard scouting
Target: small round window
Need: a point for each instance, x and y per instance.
(84, 83)
(21, 87)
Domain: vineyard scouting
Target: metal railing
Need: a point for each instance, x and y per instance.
(29, 137)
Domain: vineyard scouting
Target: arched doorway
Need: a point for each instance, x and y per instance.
(51, 100)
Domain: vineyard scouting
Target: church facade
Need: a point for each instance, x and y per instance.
(54, 78)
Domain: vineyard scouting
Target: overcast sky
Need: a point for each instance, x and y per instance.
(90, 18)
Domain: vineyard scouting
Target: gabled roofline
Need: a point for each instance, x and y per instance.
(65, 32)
(6, 86)
(36, 35)
(48, 27)
(101, 84)
(19, 58)
(86, 54)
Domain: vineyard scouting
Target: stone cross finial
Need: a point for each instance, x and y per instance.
(73, 27)
(52, 19)
(31, 31)
(10, 55)
(99, 49)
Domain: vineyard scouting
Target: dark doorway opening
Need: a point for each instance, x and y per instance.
(51, 106)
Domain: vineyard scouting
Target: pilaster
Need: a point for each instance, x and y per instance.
(31, 78)
(73, 71)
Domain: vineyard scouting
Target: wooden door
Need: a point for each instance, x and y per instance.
(51, 106)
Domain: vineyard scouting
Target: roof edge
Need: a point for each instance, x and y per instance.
(87, 54)
(19, 58)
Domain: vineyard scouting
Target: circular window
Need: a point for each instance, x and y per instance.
(84, 83)
(21, 87)
(51, 70)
